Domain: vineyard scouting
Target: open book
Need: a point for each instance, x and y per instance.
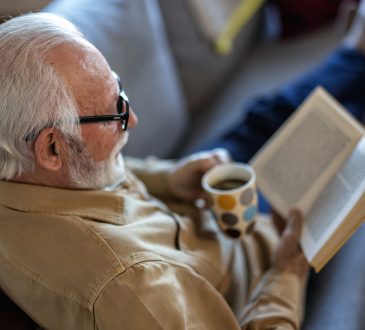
(316, 163)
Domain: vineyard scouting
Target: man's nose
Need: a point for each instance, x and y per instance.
(133, 119)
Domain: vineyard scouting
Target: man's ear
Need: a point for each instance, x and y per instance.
(49, 149)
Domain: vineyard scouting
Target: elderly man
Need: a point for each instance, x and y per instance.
(84, 243)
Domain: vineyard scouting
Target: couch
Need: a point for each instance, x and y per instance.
(186, 94)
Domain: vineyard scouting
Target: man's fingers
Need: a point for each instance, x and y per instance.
(204, 161)
(221, 155)
(208, 201)
(202, 165)
(294, 224)
(278, 221)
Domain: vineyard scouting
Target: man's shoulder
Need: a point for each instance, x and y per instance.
(89, 251)
(58, 254)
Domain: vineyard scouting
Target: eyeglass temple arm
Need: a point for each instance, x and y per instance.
(94, 119)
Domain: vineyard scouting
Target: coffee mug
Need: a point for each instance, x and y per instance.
(232, 190)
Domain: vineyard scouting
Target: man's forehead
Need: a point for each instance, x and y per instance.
(73, 59)
(86, 74)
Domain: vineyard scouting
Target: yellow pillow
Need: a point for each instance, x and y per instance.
(220, 21)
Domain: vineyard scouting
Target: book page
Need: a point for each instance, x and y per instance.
(335, 202)
(300, 159)
(315, 139)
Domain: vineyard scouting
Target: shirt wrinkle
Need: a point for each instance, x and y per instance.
(146, 307)
(61, 249)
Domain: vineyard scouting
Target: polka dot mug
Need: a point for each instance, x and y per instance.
(232, 189)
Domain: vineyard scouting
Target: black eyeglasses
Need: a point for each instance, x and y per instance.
(122, 107)
(122, 115)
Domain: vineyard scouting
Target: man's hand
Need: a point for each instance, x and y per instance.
(185, 179)
(289, 256)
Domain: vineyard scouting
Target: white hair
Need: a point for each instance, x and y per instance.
(32, 94)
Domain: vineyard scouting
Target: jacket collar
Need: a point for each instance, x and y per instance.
(97, 205)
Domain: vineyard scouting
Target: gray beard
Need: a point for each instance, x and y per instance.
(86, 173)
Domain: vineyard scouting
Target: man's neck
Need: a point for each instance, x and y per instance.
(44, 178)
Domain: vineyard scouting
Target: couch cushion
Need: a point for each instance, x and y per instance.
(130, 34)
(220, 21)
(204, 74)
(336, 297)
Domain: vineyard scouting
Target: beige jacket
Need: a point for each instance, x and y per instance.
(121, 259)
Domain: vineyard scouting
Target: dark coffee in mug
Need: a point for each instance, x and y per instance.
(228, 184)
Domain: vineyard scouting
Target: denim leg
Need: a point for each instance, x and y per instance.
(342, 74)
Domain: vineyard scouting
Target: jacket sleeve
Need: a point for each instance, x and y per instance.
(276, 303)
(153, 173)
(157, 295)
(276, 299)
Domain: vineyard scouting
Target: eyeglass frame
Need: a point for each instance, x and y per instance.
(123, 117)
